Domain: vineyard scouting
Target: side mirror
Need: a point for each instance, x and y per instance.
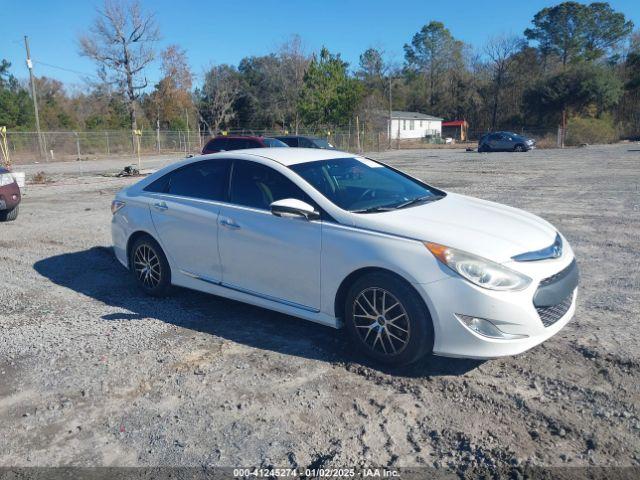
(291, 207)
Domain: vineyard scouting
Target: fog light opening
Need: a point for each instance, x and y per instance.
(485, 327)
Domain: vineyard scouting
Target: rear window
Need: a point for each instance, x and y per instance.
(273, 142)
(322, 143)
(291, 141)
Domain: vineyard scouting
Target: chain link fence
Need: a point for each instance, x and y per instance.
(60, 146)
(24, 147)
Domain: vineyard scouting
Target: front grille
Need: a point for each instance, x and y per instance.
(562, 273)
(550, 315)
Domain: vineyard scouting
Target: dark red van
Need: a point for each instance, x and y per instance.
(223, 143)
(9, 196)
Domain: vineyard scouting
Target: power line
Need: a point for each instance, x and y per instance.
(65, 69)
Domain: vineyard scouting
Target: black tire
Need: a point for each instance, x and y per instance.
(519, 148)
(410, 346)
(150, 267)
(484, 148)
(9, 215)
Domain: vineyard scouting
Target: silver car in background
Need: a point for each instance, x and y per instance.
(505, 142)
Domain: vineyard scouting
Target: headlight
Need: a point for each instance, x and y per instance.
(116, 205)
(478, 270)
(6, 179)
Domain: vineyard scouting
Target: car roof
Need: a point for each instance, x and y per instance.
(298, 136)
(286, 156)
(249, 137)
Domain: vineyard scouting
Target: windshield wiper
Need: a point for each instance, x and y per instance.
(423, 199)
(374, 209)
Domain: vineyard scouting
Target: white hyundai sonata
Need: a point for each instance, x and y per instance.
(344, 240)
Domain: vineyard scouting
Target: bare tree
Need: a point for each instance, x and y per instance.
(121, 42)
(221, 89)
(294, 64)
(501, 52)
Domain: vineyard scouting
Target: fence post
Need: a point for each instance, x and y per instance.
(77, 143)
(106, 136)
(560, 137)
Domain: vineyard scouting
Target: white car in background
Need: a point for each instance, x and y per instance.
(343, 240)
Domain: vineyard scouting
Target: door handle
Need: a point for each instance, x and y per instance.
(160, 206)
(228, 223)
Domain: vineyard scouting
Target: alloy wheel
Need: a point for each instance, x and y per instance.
(381, 321)
(147, 266)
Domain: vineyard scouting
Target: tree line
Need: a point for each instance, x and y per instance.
(577, 64)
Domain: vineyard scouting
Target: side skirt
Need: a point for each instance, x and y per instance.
(216, 287)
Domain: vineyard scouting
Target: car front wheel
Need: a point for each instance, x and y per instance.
(518, 148)
(150, 267)
(388, 320)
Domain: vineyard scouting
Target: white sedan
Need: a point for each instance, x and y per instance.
(344, 240)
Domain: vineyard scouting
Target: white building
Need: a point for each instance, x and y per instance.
(414, 125)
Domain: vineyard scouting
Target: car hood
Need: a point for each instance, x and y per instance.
(488, 229)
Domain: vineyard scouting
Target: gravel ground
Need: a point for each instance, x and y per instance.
(93, 373)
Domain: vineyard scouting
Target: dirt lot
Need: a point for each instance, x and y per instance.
(92, 372)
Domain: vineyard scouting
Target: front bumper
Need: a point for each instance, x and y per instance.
(514, 313)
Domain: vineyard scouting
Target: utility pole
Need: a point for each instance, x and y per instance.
(188, 144)
(158, 127)
(390, 114)
(41, 145)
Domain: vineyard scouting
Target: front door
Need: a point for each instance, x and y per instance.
(272, 257)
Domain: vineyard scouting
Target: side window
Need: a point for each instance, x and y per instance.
(256, 185)
(160, 185)
(206, 180)
(494, 137)
(233, 144)
(241, 143)
(216, 145)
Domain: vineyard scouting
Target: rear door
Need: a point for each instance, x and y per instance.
(185, 214)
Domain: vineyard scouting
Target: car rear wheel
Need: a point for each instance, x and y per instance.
(150, 267)
(388, 320)
(518, 148)
(9, 215)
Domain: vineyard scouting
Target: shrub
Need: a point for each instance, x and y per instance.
(590, 130)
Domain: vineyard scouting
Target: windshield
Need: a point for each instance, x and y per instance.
(274, 142)
(363, 186)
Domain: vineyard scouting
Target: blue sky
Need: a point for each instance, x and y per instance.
(224, 32)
